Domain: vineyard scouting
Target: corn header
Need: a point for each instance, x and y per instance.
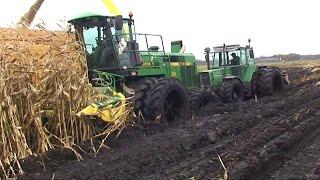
(108, 104)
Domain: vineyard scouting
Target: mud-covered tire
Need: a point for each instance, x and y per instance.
(199, 98)
(254, 83)
(142, 88)
(270, 81)
(167, 100)
(231, 90)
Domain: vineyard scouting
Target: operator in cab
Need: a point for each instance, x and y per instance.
(235, 59)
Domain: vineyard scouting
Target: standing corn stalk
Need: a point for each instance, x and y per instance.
(28, 17)
(40, 70)
(45, 71)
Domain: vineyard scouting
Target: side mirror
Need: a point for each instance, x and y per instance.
(251, 53)
(118, 22)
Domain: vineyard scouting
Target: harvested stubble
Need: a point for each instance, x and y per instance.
(41, 70)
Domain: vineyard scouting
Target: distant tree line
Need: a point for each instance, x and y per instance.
(290, 57)
(279, 57)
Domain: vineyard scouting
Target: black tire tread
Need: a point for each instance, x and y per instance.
(156, 95)
(199, 98)
(226, 90)
(142, 88)
(265, 84)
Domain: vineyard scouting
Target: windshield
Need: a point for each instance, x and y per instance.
(90, 36)
(93, 36)
(119, 33)
(226, 58)
(105, 45)
(100, 48)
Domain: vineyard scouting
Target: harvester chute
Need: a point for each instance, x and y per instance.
(111, 6)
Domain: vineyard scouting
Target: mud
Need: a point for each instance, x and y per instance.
(271, 138)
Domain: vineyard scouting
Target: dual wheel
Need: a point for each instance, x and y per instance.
(166, 99)
(265, 82)
(231, 90)
(161, 99)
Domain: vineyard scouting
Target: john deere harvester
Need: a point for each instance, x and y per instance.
(137, 65)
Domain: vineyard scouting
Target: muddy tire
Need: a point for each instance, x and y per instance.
(231, 90)
(167, 100)
(254, 83)
(142, 88)
(270, 81)
(199, 98)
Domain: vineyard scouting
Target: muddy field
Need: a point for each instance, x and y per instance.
(273, 138)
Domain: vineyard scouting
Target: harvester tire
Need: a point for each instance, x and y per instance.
(270, 81)
(199, 98)
(167, 100)
(142, 88)
(231, 90)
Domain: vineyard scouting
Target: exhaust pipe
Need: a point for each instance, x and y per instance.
(207, 57)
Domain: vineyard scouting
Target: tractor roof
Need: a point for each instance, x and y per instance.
(89, 15)
(227, 48)
(85, 15)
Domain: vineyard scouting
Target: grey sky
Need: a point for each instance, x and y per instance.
(275, 26)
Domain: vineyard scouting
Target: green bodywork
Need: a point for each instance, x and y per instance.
(221, 67)
(124, 57)
(175, 65)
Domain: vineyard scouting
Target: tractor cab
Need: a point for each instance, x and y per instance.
(227, 62)
(229, 55)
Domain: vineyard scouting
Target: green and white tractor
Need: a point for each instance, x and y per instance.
(233, 75)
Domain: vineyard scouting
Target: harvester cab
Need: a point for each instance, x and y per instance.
(107, 41)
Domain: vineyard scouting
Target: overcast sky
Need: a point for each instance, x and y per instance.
(275, 26)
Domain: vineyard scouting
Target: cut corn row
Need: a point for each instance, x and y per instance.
(42, 70)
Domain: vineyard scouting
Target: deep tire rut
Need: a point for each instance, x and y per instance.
(248, 136)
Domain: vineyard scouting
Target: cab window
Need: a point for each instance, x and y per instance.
(233, 58)
(217, 59)
(243, 56)
(90, 36)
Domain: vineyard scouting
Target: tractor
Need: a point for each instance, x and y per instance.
(137, 65)
(233, 75)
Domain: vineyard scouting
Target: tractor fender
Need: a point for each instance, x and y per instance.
(232, 77)
(267, 67)
(284, 74)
